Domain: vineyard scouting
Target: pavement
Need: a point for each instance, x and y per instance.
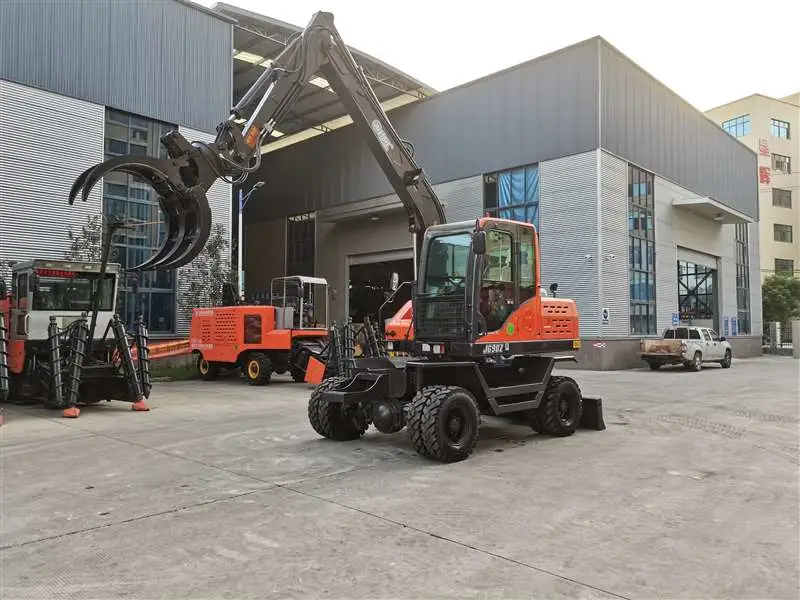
(224, 491)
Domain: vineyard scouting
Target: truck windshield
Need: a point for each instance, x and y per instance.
(72, 291)
(446, 268)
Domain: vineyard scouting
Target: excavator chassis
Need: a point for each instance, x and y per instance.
(440, 402)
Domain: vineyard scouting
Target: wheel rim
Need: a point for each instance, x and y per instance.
(457, 427)
(566, 409)
(696, 360)
(253, 369)
(204, 366)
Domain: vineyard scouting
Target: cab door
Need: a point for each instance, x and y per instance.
(20, 306)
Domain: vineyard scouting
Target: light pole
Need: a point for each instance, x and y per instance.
(243, 198)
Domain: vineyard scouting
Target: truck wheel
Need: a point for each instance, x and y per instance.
(696, 363)
(450, 422)
(329, 420)
(414, 423)
(654, 366)
(561, 408)
(207, 370)
(258, 369)
(725, 363)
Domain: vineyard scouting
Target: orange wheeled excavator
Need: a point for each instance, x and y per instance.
(485, 342)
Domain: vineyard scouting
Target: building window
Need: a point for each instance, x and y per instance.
(783, 265)
(781, 163)
(132, 198)
(697, 286)
(782, 233)
(513, 194)
(300, 244)
(642, 251)
(743, 278)
(738, 126)
(781, 198)
(779, 129)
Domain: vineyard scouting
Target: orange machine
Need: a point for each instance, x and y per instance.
(261, 340)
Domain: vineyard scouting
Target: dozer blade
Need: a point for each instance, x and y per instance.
(186, 210)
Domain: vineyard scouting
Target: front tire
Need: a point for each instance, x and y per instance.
(207, 370)
(330, 420)
(725, 363)
(561, 408)
(258, 369)
(448, 425)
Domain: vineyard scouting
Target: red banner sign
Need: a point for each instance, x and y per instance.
(764, 175)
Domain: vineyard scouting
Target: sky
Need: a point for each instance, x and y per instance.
(708, 51)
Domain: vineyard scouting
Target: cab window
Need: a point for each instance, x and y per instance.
(694, 334)
(527, 265)
(497, 283)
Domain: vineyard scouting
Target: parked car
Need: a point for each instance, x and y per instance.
(690, 346)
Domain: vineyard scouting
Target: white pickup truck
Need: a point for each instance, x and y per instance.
(690, 346)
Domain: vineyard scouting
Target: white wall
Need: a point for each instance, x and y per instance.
(679, 228)
(220, 199)
(46, 141)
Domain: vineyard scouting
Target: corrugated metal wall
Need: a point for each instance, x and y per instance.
(537, 111)
(613, 251)
(87, 49)
(34, 213)
(651, 126)
(219, 198)
(569, 224)
(666, 255)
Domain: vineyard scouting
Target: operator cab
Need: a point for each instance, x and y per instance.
(479, 282)
(301, 302)
(63, 289)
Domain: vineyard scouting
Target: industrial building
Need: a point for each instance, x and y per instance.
(769, 126)
(647, 210)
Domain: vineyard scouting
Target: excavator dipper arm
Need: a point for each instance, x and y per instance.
(183, 179)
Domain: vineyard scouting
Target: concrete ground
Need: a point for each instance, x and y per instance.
(224, 491)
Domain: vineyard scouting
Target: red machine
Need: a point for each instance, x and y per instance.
(261, 340)
(485, 340)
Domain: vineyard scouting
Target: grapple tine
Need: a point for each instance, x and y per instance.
(175, 228)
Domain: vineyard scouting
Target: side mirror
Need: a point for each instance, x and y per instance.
(395, 281)
(722, 339)
(553, 288)
(479, 242)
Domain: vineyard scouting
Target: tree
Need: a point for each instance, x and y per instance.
(201, 282)
(781, 298)
(87, 243)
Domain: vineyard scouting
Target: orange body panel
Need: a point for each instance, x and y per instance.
(16, 356)
(222, 333)
(557, 319)
(315, 371)
(400, 324)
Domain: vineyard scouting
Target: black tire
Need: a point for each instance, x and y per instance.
(654, 366)
(207, 370)
(258, 369)
(696, 363)
(328, 419)
(725, 363)
(414, 423)
(450, 423)
(560, 412)
(299, 374)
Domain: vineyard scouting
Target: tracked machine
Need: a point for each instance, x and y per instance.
(485, 341)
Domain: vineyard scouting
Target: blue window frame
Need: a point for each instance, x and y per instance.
(642, 251)
(513, 194)
(738, 126)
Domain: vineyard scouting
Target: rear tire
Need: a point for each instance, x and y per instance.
(258, 369)
(654, 366)
(725, 363)
(329, 420)
(450, 422)
(207, 370)
(561, 408)
(696, 363)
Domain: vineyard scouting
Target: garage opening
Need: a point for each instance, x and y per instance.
(370, 286)
(698, 295)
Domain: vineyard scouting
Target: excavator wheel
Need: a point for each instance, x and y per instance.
(330, 420)
(561, 409)
(207, 370)
(443, 423)
(258, 369)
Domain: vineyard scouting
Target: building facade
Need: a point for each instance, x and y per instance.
(101, 78)
(646, 209)
(769, 126)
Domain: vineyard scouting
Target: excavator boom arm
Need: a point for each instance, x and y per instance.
(183, 179)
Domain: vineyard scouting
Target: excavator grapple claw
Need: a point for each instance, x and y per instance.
(183, 201)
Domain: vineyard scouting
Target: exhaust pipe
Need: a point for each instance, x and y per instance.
(181, 182)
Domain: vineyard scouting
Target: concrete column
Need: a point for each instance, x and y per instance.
(796, 338)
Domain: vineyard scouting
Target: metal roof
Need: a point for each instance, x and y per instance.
(258, 39)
